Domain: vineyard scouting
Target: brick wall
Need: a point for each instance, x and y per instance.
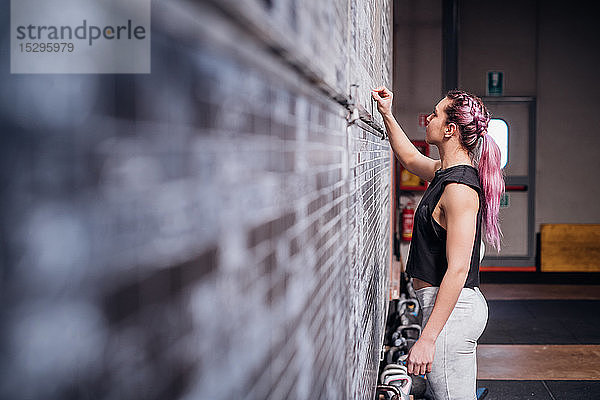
(213, 230)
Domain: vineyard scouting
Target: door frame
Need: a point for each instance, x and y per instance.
(519, 263)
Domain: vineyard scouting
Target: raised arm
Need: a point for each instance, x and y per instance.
(407, 153)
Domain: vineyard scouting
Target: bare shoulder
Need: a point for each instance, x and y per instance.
(458, 197)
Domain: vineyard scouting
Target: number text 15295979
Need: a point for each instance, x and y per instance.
(46, 47)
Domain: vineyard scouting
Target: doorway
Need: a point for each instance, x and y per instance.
(517, 209)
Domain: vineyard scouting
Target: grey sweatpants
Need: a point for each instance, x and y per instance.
(453, 374)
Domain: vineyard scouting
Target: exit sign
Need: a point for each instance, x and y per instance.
(495, 83)
(504, 201)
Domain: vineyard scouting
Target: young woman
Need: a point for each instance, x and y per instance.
(463, 195)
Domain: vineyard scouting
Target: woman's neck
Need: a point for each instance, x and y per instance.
(452, 158)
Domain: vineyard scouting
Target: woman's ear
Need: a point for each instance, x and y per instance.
(450, 130)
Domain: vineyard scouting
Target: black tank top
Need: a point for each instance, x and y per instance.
(427, 258)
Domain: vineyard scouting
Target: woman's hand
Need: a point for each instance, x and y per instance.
(420, 357)
(384, 97)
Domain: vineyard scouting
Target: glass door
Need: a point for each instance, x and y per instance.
(517, 207)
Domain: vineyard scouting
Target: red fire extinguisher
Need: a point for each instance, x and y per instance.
(408, 217)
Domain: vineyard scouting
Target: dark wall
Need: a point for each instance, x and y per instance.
(547, 49)
(212, 230)
(568, 129)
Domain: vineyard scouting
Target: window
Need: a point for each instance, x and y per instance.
(498, 130)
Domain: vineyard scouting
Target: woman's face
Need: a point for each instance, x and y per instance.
(436, 123)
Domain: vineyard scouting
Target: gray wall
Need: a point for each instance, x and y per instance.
(213, 230)
(498, 35)
(547, 49)
(417, 62)
(417, 74)
(568, 133)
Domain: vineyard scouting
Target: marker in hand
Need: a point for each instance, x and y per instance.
(383, 97)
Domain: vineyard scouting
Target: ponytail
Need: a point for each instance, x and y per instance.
(472, 117)
(492, 182)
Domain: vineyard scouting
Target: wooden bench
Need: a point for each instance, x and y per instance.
(570, 247)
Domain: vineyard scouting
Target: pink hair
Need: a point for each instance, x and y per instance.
(472, 118)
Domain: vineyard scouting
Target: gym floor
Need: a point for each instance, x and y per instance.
(542, 340)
